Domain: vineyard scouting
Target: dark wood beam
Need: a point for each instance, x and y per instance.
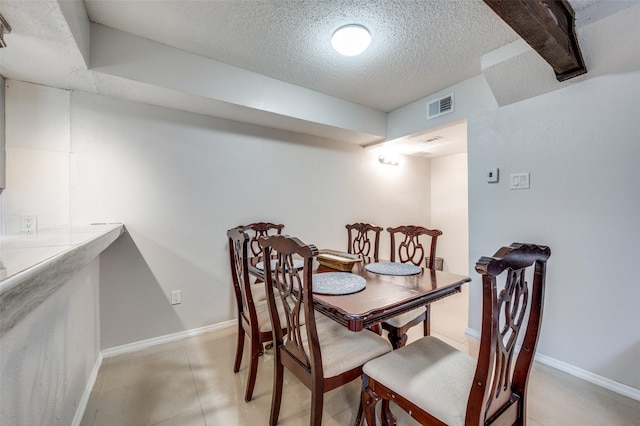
(549, 27)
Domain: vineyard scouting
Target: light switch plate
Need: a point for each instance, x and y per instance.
(519, 181)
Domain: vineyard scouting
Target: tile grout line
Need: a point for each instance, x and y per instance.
(193, 379)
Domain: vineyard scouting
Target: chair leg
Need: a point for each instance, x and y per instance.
(397, 341)
(360, 414)
(317, 401)
(276, 397)
(427, 321)
(256, 351)
(386, 416)
(239, 350)
(369, 400)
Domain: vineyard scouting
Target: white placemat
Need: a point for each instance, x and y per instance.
(336, 283)
(297, 263)
(393, 268)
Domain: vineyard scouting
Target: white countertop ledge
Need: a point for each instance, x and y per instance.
(34, 266)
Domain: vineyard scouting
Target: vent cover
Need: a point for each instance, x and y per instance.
(440, 107)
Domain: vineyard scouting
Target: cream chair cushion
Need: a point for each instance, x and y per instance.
(343, 350)
(262, 312)
(258, 293)
(403, 319)
(431, 374)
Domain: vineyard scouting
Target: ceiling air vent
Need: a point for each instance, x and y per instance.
(440, 107)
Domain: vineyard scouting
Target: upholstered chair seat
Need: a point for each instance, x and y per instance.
(343, 350)
(258, 292)
(430, 374)
(404, 319)
(262, 312)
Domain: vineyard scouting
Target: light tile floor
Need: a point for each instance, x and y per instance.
(191, 383)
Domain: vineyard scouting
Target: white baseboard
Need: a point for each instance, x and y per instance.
(144, 344)
(588, 376)
(472, 332)
(84, 400)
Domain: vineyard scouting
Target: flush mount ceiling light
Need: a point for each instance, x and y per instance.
(351, 40)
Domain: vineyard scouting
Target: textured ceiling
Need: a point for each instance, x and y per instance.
(418, 47)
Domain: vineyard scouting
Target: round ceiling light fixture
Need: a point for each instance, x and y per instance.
(351, 40)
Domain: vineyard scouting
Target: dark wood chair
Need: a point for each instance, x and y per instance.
(364, 240)
(253, 312)
(261, 229)
(439, 385)
(321, 353)
(256, 231)
(410, 249)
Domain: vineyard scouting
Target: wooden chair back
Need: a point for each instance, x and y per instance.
(299, 346)
(259, 230)
(451, 387)
(409, 248)
(500, 380)
(239, 258)
(364, 240)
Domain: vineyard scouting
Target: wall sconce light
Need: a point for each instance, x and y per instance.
(5, 28)
(389, 160)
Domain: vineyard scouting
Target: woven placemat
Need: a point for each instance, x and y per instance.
(393, 268)
(336, 283)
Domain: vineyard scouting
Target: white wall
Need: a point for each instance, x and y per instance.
(178, 181)
(37, 148)
(450, 211)
(580, 145)
(470, 96)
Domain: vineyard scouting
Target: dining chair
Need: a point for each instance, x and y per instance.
(253, 312)
(320, 352)
(258, 230)
(410, 249)
(261, 229)
(440, 385)
(364, 240)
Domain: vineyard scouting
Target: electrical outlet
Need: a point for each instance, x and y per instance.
(492, 175)
(176, 297)
(28, 223)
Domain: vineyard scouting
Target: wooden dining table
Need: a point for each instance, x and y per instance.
(384, 296)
